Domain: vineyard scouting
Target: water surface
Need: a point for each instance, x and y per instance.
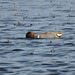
(21, 56)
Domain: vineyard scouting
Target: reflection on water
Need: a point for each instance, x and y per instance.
(18, 55)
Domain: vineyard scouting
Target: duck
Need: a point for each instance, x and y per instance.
(51, 35)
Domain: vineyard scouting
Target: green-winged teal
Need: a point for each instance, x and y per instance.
(53, 35)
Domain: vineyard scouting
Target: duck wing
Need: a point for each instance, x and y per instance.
(50, 34)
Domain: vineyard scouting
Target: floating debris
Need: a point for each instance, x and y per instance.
(16, 13)
(32, 52)
(53, 50)
(53, 16)
(31, 24)
(15, 8)
(17, 24)
(50, 41)
(23, 18)
(8, 41)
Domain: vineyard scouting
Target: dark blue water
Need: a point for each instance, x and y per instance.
(21, 56)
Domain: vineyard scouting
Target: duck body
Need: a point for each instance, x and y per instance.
(51, 35)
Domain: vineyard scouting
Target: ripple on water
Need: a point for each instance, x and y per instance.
(6, 44)
(56, 64)
(20, 56)
(3, 69)
(49, 55)
(69, 44)
(17, 50)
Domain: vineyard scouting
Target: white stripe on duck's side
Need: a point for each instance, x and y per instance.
(38, 36)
